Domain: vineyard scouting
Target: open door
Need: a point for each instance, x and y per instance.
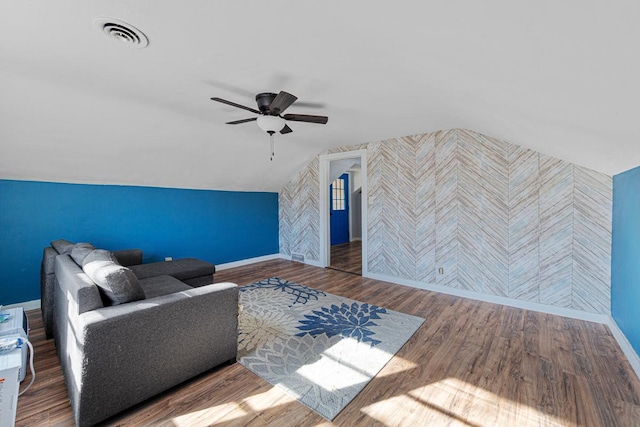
(339, 210)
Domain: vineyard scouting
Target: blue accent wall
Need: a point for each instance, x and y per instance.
(625, 255)
(216, 226)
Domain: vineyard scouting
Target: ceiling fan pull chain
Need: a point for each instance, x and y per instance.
(273, 153)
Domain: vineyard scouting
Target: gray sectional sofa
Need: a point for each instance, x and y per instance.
(122, 340)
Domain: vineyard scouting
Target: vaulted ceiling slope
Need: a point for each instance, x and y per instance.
(561, 78)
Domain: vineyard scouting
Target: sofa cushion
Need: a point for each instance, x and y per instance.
(128, 257)
(162, 285)
(62, 246)
(117, 283)
(74, 290)
(81, 251)
(196, 282)
(181, 269)
(99, 255)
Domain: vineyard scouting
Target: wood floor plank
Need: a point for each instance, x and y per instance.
(347, 257)
(470, 364)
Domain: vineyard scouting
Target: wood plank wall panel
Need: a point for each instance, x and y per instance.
(591, 290)
(497, 218)
(495, 223)
(406, 164)
(402, 207)
(425, 208)
(299, 213)
(483, 227)
(524, 224)
(408, 172)
(470, 212)
(556, 231)
(382, 212)
(446, 177)
(286, 199)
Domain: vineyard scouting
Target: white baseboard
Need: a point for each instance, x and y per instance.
(306, 261)
(248, 261)
(26, 306)
(511, 302)
(625, 345)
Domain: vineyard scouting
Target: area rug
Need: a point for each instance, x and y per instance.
(320, 348)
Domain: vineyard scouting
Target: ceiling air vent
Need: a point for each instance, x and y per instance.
(122, 32)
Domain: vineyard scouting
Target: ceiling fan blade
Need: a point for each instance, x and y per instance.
(306, 118)
(237, 122)
(233, 104)
(281, 102)
(286, 129)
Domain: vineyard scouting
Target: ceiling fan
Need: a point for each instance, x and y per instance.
(270, 118)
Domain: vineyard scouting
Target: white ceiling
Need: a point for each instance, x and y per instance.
(75, 106)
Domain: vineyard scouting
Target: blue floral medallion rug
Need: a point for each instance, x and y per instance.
(320, 348)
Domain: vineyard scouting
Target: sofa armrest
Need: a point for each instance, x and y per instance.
(128, 257)
(47, 287)
(134, 351)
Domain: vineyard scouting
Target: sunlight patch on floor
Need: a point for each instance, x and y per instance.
(395, 366)
(234, 410)
(331, 371)
(203, 417)
(455, 402)
(263, 401)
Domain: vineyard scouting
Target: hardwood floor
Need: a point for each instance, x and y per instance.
(347, 257)
(471, 363)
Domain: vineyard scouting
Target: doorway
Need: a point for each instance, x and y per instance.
(343, 211)
(346, 245)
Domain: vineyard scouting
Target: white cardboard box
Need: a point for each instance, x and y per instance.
(10, 365)
(16, 326)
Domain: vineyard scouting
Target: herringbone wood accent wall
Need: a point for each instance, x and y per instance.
(495, 217)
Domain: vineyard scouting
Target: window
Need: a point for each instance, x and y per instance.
(337, 194)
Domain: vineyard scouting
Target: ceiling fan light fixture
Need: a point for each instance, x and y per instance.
(271, 124)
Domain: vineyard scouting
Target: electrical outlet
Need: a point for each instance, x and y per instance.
(440, 270)
(168, 258)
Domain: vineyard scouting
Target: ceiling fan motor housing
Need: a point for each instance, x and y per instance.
(264, 100)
